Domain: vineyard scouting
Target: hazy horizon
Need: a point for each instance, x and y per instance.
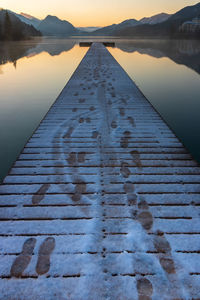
(95, 12)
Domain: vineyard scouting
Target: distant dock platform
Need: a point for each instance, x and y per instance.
(104, 200)
(89, 44)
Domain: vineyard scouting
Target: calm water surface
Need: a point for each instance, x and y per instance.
(33, 73)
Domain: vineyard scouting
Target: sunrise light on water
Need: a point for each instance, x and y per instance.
(99, 150)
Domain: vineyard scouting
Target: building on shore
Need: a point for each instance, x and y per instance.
(191, 26)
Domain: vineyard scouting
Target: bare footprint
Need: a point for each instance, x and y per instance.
(136, 158)
(143, 205)
(43, 263)
(125, 139)
(23, 260)
(114, 124)
(131, 120)
(122, 111)
(146, 220)
(92, 108)
(81, 157)
(145, 289)
(127, 134)
(167, 264)
(81, 120)
(95, 134)
(129, 187)
(72, 158)
(124, 142)
(132, 199)
(79, 190)
(125, 171)
(161, 244)
(39, 196)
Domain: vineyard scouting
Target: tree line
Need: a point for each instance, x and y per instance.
(9, 30)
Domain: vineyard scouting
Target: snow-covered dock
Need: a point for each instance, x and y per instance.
(104, 200)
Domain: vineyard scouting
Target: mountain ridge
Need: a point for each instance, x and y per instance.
(109, 30)
(159, 25)
(155, 19)
(52, 25)
(168, 28)
(12, 28)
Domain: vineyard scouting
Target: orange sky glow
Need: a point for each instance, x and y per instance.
(95, 12)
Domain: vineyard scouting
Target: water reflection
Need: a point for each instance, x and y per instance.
(13, 51)
(55, 47)
(28, 90)
(171, 87)
(43, 66)
(182, 52)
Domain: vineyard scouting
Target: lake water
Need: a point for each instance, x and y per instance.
(33, 73)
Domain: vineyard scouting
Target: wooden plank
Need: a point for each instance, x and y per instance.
(103, 201)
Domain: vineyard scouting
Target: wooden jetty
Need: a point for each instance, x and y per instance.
(104, 200)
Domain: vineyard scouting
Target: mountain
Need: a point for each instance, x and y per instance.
(12, 28)
(112, 29)
(88, 29)
(186, 14)
(167, 29)
(159, 18)
(107, 30)
(25, 18)
(52, 25)
(28, 19)
(126, 23)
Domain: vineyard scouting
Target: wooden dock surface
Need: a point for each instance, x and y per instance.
(104, 200)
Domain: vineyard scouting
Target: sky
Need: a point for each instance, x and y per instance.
(95, 12)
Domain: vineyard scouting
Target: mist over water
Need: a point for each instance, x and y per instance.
(33, 73)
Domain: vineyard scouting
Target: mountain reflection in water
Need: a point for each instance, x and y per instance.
(166, 71)
(180, 51)
(12, 51)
